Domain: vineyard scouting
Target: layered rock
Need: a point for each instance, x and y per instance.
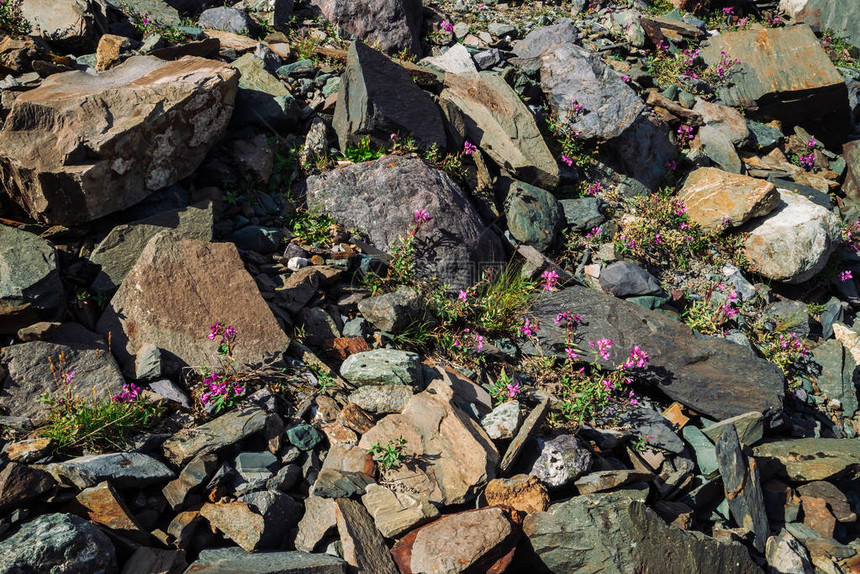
(393, 25)
(716, 199)
(82, 146)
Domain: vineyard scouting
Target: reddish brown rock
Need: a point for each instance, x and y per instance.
(356, 418)
(521, 492)
(19, 484)
(102, 505)
(179, 287)
(713, 196)
(832, 496)
(817, 517)
(29, 450)
(107, 52)
(343, 347)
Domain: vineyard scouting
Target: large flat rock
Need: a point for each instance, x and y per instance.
(393, 25)
(83, 145)
(712, 376)
(175, 291)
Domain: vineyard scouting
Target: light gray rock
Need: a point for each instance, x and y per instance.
(562, 460)
(317, 522)
(223, 431)
(227, 19)
(238, 561)
(67, 24)
(625, 279)
(504, 421)
(393, 312)
(395, 513)
(393, 25)
(786, 555)
(455, 60)
(384, 366)
(381, 399)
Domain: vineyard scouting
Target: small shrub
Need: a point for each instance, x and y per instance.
(12, 22)
(311, 227)
(391, 455)
(363, 151)
(223, 388)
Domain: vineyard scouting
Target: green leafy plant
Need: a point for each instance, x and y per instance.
(391, 455)
(12, 22)
(363, 150)
(324, 379)
(311, 227)
(782, 348)
(504, 388)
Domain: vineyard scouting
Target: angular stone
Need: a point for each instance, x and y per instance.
(29, 373)
(742, 487)
(396, 512)
(226, 18)
(520, 492)
(146, 560)
(561, 461)
(504, 421)
(364, 548)
(68, 24)
(807, 459)
(497, 121)
(823, 14)
(384, 366)
(794, 242)
(19, 484)
(531, 426)
(785, 74)
(255, 521)
(542, 40)
(608, 480)
(817, 516)
(58, 543)
(102, 505)
(625, 279)
(317, 522)
(124, 470)
(141, 127)
(851, 185)
(749, 426)
(534, 216)
(236, 560)
(192, 477)
(457, 455)
(378, 98)
(835, 374)
(262, 98)
(393, 312)
(583, 214)
(618, 534)
(453, 245)
(223, 431)
(118, 252)
(169, 390)
(706, 456)
(30, 285)
(725, 119)
(714, 377)
(29, 450)
(179, 287)
(713, 196)
(832, 496)
(392, 25)
(455, 60)
(785, 554)
(304, 436)
(383, 399)
(480, 540)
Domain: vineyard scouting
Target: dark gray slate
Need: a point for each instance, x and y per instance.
(58, 543)
(29, 370)
(393, 312)
(377, 98)
(834, 373)
(543, 39)
(380, 198)
(534, 216)
(237, 561)
(624, 279)
(714, 377)
(393, 25)
(123, 469)
(262, 98)
(227, 19)
(612, 533)
(30, 286)
(583, 214)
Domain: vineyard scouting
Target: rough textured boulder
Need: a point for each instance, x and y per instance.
(449, 455)
(377, 98)
(794, 242)
(715, 198)
(67, 24)
(844, 17)
(534, 216)
(851, 187)
(219, 433)
(806, 459)
(541, 40)
(175, 291)
(616, 534)
(96, 374)
(490, 114)
(712, 376)
(30, 285)
(118, 252)
(58, 543)
(380, 198)
(237, 560)
(785, 75)
(82, 146)
(262, 99)
(393, 25)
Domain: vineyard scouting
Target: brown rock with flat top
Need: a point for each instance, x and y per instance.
(108, 50)
(81, 146)
(817, 517)
(713, 197)
(521, 492)
(832, 496)
(102, 505)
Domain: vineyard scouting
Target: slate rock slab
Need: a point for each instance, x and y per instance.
(807, 459)
(712, 376)
(218, 433)
(235, 560)
(393, 25)
(114, 137)
(124, 470)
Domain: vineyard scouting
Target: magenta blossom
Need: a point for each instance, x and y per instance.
(571, 353)
(603, 347)
(421, 216)
(463, 295)
(130, 392)
(446, 25)
(638, 358)
(514, 389)
(845, 276)
(550, 278)
(214, 330)
(566, 160)
(469, 148)
(567, 318)
(68, 377)
(529, 329)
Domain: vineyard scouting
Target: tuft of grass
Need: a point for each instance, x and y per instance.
(311, 227)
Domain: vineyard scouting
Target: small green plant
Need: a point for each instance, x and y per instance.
(574, 149)
(504, 388)
(231, 196)
(391, 455)
(12, 22)
(285, 166)
(816, 309)
(223, 387)
(659, 7)
(363, 150)
(324, 379)
(310, 227)
(841, 52)
(782, 348)
(711, 315)
(98, 424)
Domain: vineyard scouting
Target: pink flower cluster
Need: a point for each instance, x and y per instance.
(421, 216)
(550, 278)
(446, 25)
(529, 329)
(603, 346)
(469, 148)
(219, 330)
(638, 358)
(129, 394)
(218, 386)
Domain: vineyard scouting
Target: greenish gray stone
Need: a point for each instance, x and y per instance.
(124, 470)
(381, 399)
(835, 374)
(237, 561)
(385, 367)
(258, 238)
(304, 436)
(614, 534)
(58, 543)
(686, 99)
(300, 68)
(706, 456)
(254, 466)
(226, 18)
(583, 214)
(160, 13)
(720, 149)
(750, 428)
(807, 459)
(393, 312)
(504, 420)
(223, 431)
(763, 136)
(332, 85)
(262, 97)
(30, 285)
(534, 216)
(118, 252)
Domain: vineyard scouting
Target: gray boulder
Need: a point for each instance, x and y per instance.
(239, 561)
(30, 285)
(227, 19)
(393, 25)
(561, 461)
(624, 279)
(377, 98)
(380, 198)
(58, 543)
(67, 24)
(542, 40)
(384, 367)
(534, 216)
(393, 312)
(124, 470)
(381, 399)
(840, 16)
(262, 98)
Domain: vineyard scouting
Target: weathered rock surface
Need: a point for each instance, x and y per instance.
(384, 366)
(393, 312)
(262, 99)
(520, 492)
(318, 520)
(711, 376)
(377, 98)
(492, 116)
(806, 459)
(124, 470)
(118, 252)
(380, 199)
(835, 374)
(613, 533)
(393, 25)
(504, 421)
(58, 543)
(255, 521)
(381, 399)
(30, 285)
(67, 24)
(794, 242)
(715, 198)
(785, 74)
(20, 484)
(103, 505)
(822, 14)
(625, 279)
(364, 548)
(561, 461)
(81, 146)
(396, 512)
(451, 454)
(29, 374)
(237, 560)
(534, 216)
(223, 431)
(179, 287)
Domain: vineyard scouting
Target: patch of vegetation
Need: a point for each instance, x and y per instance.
(12, 22)
(363, 150)
(659, 7)
(311, 227)
(391, 455)
(841, 52)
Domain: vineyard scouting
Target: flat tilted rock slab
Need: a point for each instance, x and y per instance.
(714, 377)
